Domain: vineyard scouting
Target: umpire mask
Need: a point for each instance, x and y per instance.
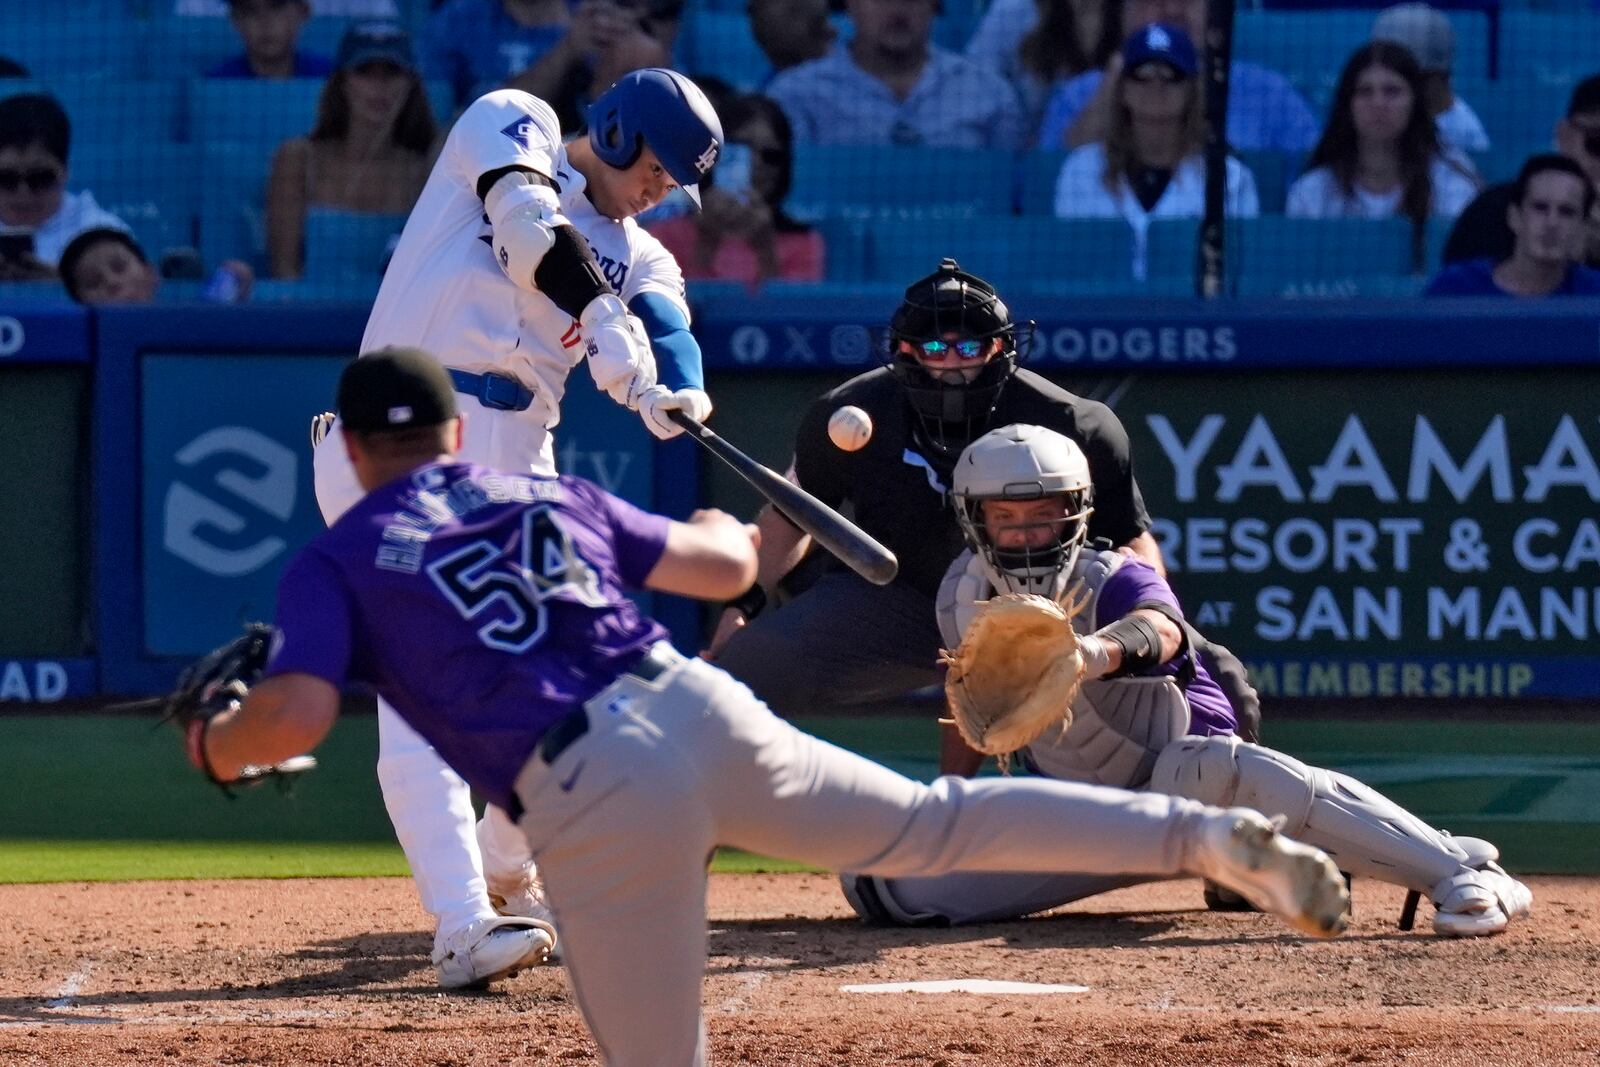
(957, 320)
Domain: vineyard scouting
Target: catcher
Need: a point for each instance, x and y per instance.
(1079, 664)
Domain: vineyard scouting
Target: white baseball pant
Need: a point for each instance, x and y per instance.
(428, 803)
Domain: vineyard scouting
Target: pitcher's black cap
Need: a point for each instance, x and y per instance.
(395, 389)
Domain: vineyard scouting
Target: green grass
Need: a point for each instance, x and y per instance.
(87, 860)
(91, 798)
(121, 861)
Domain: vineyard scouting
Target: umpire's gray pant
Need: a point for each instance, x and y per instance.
(843, 641)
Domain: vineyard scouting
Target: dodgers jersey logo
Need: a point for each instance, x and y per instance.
(524, 131)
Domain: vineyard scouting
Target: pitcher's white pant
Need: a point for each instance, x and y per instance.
(623, 819)
(428, 803)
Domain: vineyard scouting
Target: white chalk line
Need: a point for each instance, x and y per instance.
(71, 986)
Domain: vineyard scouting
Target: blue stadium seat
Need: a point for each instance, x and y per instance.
(1559, 48)
(1438, 232)
(952, 30)
(303, 291)
(148, 185)
(243, 111)
(1519, 112)
(853, 181)
(1036, 180)
(347, 244)
(24, 294)
(232, 187)
(720, 43)
(845, 248)
(1013, 252)
(1310, 47)
(1274, 256)
(72, 45)
(1520, 115)
(125, 113)
(1273, 172)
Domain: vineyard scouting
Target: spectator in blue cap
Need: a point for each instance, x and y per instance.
(1150, 165)
(369, 150)
(1264, 109)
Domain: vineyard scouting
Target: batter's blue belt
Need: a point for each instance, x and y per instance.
(493, 390)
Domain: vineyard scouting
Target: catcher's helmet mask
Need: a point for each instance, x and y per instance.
(951, 302)
(1024, 463)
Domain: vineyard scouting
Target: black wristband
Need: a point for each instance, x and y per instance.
(1140, 643)
(749, 603)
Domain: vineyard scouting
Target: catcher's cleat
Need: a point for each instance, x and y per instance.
(1477, 903)
(528, 902)
(490, 949)
(1243, 851)
(1219, 899)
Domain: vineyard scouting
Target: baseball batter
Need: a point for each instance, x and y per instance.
(623, 762)
(520, 260)
(1150, 716)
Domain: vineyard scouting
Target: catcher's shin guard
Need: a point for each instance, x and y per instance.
(1365, 832)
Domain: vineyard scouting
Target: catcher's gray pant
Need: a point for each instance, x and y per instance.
(622, 819)
(843, 641)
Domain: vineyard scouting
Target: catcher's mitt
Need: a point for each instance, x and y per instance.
(219, 682)
(1015, 673)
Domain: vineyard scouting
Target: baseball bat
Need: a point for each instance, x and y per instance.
(859, 551)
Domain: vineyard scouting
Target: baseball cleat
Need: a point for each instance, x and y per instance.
(528, 902)
(1219, 899)
(491, 949)
(1243, 851)
(1477, 903)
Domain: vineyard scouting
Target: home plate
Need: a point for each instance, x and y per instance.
(964, 985)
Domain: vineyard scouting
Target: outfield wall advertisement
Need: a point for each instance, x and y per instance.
(1395, 533)
(1361, 500)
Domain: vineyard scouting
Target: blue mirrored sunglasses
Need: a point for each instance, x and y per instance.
(942, 349)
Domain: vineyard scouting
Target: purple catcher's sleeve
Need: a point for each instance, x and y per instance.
(1134, 583)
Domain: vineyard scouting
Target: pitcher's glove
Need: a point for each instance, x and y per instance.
(1015, 674)
(219, 682)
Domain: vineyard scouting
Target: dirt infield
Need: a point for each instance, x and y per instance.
(335, 972)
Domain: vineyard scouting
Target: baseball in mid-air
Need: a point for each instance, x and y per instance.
(850, 428)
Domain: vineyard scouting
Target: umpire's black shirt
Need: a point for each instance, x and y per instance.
(899, 491)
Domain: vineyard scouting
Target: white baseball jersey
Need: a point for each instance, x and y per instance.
(445, 293)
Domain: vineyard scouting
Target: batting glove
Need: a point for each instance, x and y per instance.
(656, 401)
(620, 360)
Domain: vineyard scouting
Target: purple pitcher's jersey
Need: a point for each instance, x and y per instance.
(1136, 582)
(484, 607)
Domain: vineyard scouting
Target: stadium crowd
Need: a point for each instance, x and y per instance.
(1369, 148)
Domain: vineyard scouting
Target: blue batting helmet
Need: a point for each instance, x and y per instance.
(663, 109)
